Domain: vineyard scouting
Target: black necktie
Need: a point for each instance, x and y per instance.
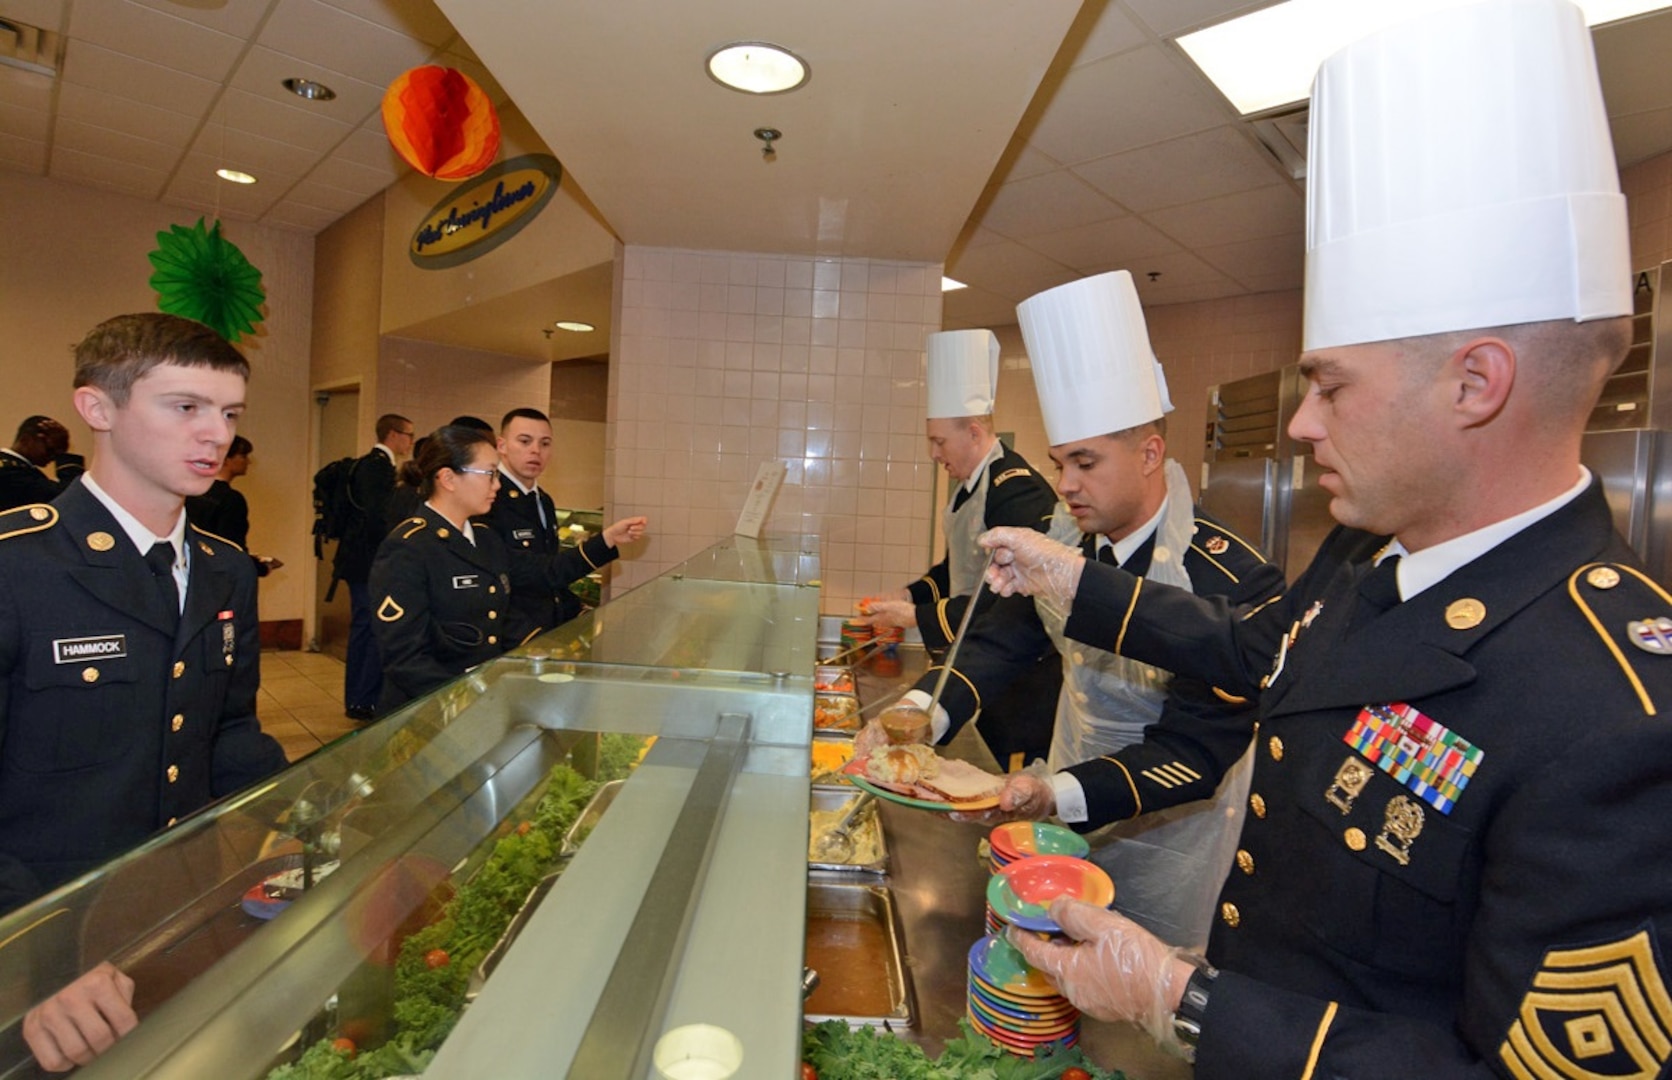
(1106, 554)
(161, 561)
(1378, 591)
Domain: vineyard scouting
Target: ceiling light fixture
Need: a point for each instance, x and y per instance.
(235, 176)
(951, 285)
(574, 326)
(1266, 59)
(766, 136)
(758, 67)
(309, 90)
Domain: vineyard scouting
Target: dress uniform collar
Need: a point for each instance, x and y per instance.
(508, 477)
(1129, 544)
(995, 452)
(464, 530)
(142, 537)
(9, 452)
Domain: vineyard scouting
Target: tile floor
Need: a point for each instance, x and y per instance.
(301, 700)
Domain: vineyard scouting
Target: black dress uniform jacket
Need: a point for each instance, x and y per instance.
(541, 569)
(442, 604)
(21, 483)
(1006, 641)
(113, 723)
(1016, 495)
(1525, 932)
(370, 484)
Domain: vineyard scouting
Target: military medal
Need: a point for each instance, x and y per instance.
(1349, 781)
(1424, 755)
(1652, 635)
(1401, 824)
(229, 635)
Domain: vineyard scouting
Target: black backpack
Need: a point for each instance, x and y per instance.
(336, 514)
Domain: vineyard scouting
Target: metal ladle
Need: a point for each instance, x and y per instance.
(837, 844)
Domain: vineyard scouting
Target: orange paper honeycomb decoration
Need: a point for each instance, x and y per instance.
(441, 122)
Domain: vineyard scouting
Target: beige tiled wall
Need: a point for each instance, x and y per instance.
(724, 360)
(1648, 188)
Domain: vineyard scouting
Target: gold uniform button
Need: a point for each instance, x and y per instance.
(173, 773)
(492, 640)
(1465, 614)
(39, 513)
(493, 614)
(1276, 748)
(90, 675)
(1603, 577)
(1257, 804)
(492, 589)
(1229, 915)
(178, 722)
(179, 668)
(1245, 861)
(171, 821)
(1354, 838)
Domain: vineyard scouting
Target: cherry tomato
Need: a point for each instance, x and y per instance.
(437, 958)
(1075, 1073)
(808, 1072)
(522, 830)
(344, 1046)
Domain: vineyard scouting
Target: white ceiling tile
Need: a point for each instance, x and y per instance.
(1051, 200)
(193, 208)
(32, 124)
(370, 147)
(342, 42)
(207, 191)
(1009, 270)
(264, 158)
(1168, 18)
(45, 14)
(1631, 62)
(149, 84)
(22, 155)
(965, 309)
(264, 71)
(1176, 269)
(1268, 259)
(1260, 283)
(1027, 162)
(152, 35)
(1157, 295)
(297, 125)
(419, 19)
(97, 107)
(106, 172)
(478, 73)
(238, 18)
(1122, 240)
(340, 173)
(1641, 136)
(1115, 31)
(1273, 211)
(320, 196)
(106, 142)
(25, 89)
(294, 215)
(1157, 100)
(1218, 161)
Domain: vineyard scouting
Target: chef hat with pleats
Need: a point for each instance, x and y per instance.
(1461, 176)
(1092, 363)
(963, 373)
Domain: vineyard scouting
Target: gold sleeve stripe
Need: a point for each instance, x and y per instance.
(45, 521)
(1232, 698)
(1223, 569)
(934, 590)
(1229, 535)
(418, 525)
(940, 616)
(1121, 638)
(1249, 614)
(965, 680)
(1137, 799)
(532, 634)
(588, 558)
(222, 539)
(1318, 1041)
(1607, 639)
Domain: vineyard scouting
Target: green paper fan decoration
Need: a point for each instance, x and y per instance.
(202, 275)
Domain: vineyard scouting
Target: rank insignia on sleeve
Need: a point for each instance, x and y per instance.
(1652, 635)
(1601, 1011)
(389, 611)
(1008, 474)
(1424, 755)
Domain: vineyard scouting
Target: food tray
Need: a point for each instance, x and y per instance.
(828, 799)
(833, 678)
(836, 715)
(868, 912)
(828, 756)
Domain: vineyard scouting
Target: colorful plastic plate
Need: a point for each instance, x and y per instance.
(1025, 839)
(1021, 1044)
(1022, 1029)
(1044, 1010)
(855, 772)
(997, 963)
(1022, 892)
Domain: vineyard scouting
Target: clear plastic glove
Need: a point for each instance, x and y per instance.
(888, 613)
(626, 531)
(1027, 796)
(1110, 967)
(81, 1021)
(1032, 564)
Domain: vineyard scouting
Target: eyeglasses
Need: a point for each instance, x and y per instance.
(479, 472)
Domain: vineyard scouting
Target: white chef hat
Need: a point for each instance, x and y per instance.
(963, 373)
(1461, 176)
(1092, 363)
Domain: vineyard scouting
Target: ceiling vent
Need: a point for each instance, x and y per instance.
(31, 48)
(1283, 134)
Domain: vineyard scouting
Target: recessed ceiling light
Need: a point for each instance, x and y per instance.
(757, 67)
(235, 176)
(309, 90)
(950, 284)
(1267, 59)
(574, 326)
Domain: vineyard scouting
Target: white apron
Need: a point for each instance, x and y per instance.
(964, 558)
(1168, 866)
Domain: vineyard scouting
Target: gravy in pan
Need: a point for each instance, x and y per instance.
(851, 954)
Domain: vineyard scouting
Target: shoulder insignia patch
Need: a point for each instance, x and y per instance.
(414, 525)
(22, 520)
(1223, 538)
(1594, 1012)
(1216, 545)
(1632, 609)
(1010, 474)
(213, 536)
(389, 611)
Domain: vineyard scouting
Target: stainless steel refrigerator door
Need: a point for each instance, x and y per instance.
(1241, 493)
(1307, 518)
(1635, 467)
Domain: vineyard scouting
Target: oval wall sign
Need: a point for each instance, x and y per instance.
(481, 215)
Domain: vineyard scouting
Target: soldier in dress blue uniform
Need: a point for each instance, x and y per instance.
(371, 486)
(1124, 502)
(525, 518)
(1455, 861)
(128, 640)
(41, 441)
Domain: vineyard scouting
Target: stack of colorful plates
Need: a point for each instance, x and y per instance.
(1024, 839)
(1022, 892)
(1015, 1005)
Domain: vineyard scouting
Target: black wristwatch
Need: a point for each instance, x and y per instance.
(1193, 1006)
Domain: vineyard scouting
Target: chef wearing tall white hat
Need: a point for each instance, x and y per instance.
(991, 485)
(1103, 398)
(1454, 862)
